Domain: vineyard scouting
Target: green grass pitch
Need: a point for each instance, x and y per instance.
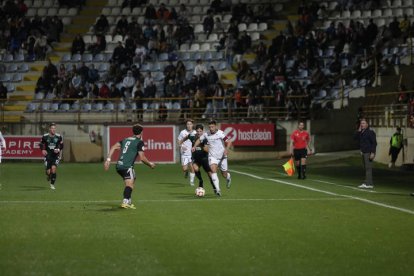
(266, 224)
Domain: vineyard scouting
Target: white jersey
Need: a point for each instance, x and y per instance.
(186, 146)
(2, 144)
(215, 143)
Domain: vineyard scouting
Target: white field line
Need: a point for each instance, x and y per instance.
(411, 212)
(167, 200)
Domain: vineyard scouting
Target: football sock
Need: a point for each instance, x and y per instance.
(52, 178)
(298, 169)
(303, 170)
(211, 182)
(216, 182)
(198, 174)
(127, 192)
(192, 176)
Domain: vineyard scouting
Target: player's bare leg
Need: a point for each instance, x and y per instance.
(48, 175)
(215, 179)
(129, 187)
(52, 176)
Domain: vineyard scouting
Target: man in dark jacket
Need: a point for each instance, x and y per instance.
(368, 145)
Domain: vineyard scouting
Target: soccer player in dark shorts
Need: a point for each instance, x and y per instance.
(299, 148)
(130, 147)
(51, 146)
(200, 158)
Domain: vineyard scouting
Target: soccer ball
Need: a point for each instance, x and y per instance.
(200, 192)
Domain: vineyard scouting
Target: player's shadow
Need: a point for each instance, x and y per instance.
(183, 195)
(172, 184)
(108, 207)
(34, 188)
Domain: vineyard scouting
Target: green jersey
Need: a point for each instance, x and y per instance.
(50, 143)
(130, 147)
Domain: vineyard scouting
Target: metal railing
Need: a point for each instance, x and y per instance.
(168, 110)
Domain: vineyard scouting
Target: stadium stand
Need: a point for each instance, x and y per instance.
(258, 53)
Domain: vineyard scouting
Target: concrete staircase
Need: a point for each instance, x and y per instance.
(13, 110)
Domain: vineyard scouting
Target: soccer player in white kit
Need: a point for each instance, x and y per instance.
(2, 144)
(218, 148)
(185, 141)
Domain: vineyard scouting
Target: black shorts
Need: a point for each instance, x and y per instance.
(203, 162)
(126, 173)
(300, 153)
(50, 162)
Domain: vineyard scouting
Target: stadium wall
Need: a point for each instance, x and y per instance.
(383, 140)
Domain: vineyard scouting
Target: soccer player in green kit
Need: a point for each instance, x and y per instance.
(51, 146)
(130, 148)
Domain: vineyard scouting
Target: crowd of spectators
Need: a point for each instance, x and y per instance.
(31, 36)
(302, 60)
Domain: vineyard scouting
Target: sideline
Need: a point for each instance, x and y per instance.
(169, 200)
(411, 212)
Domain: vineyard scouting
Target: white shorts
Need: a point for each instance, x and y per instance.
(221, 163)
(185, 160)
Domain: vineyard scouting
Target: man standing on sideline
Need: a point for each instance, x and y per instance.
(299, 148)
(130, 148)
(396, 144)
(2, 144)
(368, 145)
(51, 146)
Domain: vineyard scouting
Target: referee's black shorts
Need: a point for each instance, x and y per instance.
(300, 153)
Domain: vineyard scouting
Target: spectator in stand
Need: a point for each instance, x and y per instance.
(50, 72)
(93, 74)
(150, 90)
(180, 72)
(98, 46)
(78, 45)
(163, 14)
(62, 74)
(104, 91)
(183, 13)
(150, 15)
(138, 95)
(102, 25)
(3, 92)
(77, 81)
(162, 112)
(119, 54)
(335, 66)
(140, 54)
(226, 5)
(395, 28)
(208, 24)
(405, 28)
(127, 85)
(114, 92)
(200, 67)
(121, 26)
(40, 47)
(215, 6)
(43, 84)
(212, 76)
(83, 71)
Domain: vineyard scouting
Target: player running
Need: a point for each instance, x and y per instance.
(2, 145)
(200, 158)
(51, 146)
(185, 141)
(131, 147)
(299, 148)
(218, 148)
